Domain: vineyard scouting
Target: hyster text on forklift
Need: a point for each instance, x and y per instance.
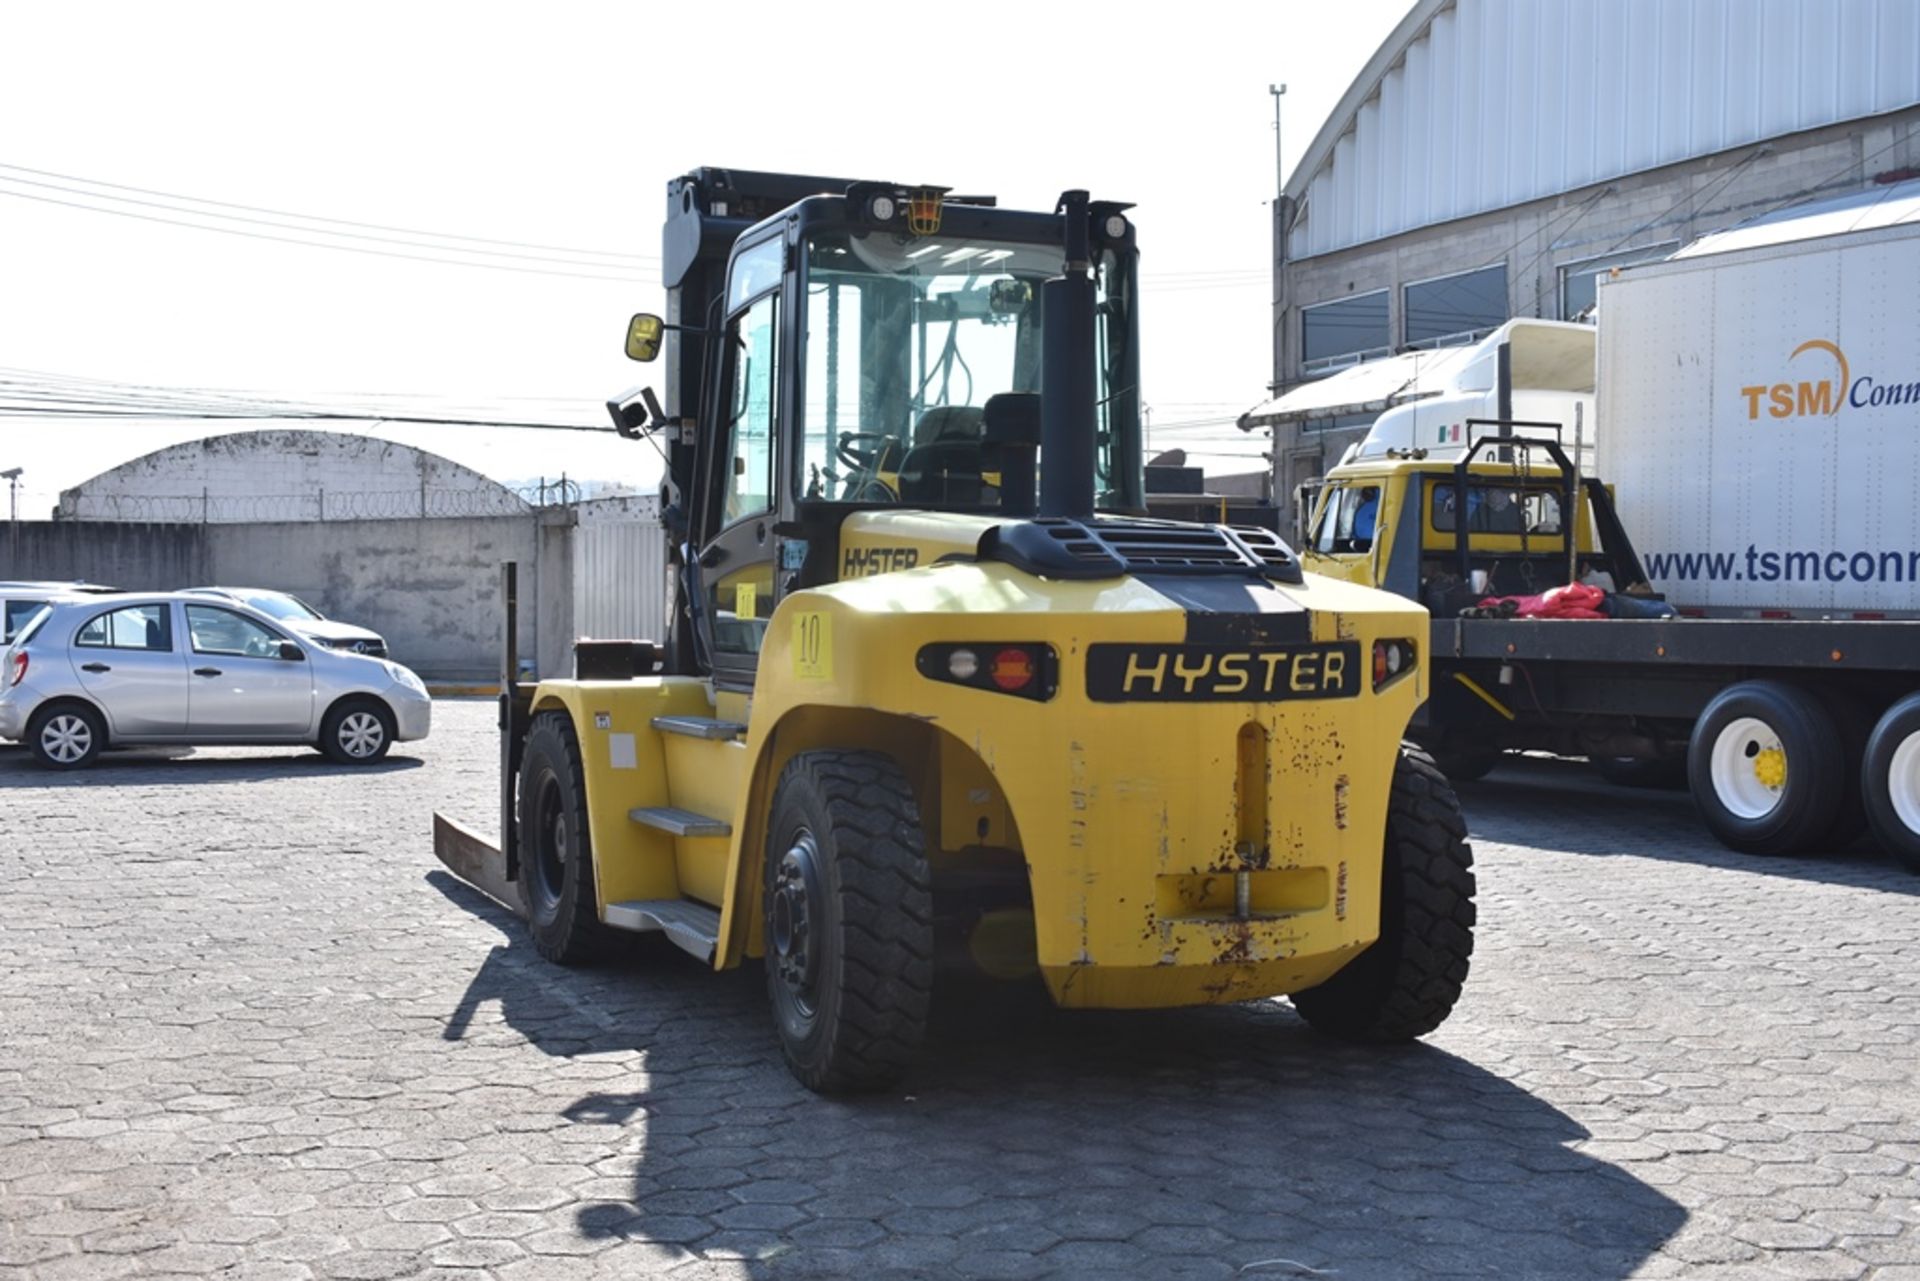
(933, 683)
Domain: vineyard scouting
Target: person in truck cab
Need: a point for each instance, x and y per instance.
(1364, 517)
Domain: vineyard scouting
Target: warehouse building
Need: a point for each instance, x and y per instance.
(1495, 157)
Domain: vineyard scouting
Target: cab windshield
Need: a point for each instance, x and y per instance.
(908, 338)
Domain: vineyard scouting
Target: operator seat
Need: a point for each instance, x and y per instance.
(947, 458)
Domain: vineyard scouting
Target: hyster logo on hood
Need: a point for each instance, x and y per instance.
(1823, 398)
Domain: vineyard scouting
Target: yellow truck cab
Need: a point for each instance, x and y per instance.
(935, 685)
(1479, 502)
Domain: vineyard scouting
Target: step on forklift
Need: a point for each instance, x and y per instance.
(933, 684)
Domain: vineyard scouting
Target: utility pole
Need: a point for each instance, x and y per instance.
(12, 476)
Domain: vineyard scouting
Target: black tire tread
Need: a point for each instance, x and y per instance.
(1407, 983)
(1893, 835)
(877, 872)
(577, 937)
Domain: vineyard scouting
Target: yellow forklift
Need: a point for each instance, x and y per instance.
(933, 683)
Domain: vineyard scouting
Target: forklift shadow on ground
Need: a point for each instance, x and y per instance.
(1235, 1131)
(1562, 804)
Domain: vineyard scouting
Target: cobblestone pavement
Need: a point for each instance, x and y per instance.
(249, 1030)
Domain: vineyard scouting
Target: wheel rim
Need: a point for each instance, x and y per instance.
(1903, 782)
(549, 838)
(67, 739)
(361, 734)
(1749, 768)
(792, 942)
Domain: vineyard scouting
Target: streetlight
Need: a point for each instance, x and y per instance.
(1279, 166)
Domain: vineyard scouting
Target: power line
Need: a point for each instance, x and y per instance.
(282, 226)
(321, 244)
(340, 222)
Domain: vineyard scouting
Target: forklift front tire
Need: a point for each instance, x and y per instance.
(1406, 983)
(849, 920)
(556, 847)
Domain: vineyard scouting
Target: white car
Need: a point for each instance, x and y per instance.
(188, 669)
(295, 613)
(20, 601)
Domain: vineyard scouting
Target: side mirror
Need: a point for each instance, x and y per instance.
(291, 652)
(644, 334)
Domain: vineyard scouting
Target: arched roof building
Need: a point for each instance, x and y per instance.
(287, 475)
(1494, 156)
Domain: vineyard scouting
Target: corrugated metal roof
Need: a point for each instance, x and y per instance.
(1861, 211)
(1474, 105)
(1361, 389)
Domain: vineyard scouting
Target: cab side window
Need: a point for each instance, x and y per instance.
(1347, 523)
(1326, 534)
(749, 410)
(135, 627)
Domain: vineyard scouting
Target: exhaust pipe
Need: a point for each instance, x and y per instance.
(1067, 395)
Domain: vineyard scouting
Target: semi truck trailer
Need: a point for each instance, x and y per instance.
(1746, 530)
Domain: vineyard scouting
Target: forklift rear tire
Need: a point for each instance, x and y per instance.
(1765, 770)
(1891, 781)
(1407, 982)
(556, 847)
(849, 920)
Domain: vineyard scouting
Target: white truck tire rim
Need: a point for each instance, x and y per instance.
(1903, 782)
(66, 739)
(360, 734)
(1741, 752)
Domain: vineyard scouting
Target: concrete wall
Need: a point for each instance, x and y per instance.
(139, 557)
(431, 587)
(1669, 206)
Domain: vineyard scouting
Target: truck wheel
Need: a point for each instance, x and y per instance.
(556, 848)
(1764, 770)
(1891, 781)
(849, 920)
(1406, 983)
(1667, 773)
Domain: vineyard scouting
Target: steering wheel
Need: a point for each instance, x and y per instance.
(861, 449)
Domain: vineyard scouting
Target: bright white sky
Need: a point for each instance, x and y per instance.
(560, 125)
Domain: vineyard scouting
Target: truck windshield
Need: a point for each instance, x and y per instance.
(906, 339)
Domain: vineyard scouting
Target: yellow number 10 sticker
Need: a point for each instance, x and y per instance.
(813, 647)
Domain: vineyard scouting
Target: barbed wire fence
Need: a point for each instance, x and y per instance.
(416, 503)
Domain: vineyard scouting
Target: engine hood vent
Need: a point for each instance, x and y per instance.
(1111, 548)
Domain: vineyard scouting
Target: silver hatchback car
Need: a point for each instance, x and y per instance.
(184, 669)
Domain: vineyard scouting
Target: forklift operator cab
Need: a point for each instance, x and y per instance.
(854, 370)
